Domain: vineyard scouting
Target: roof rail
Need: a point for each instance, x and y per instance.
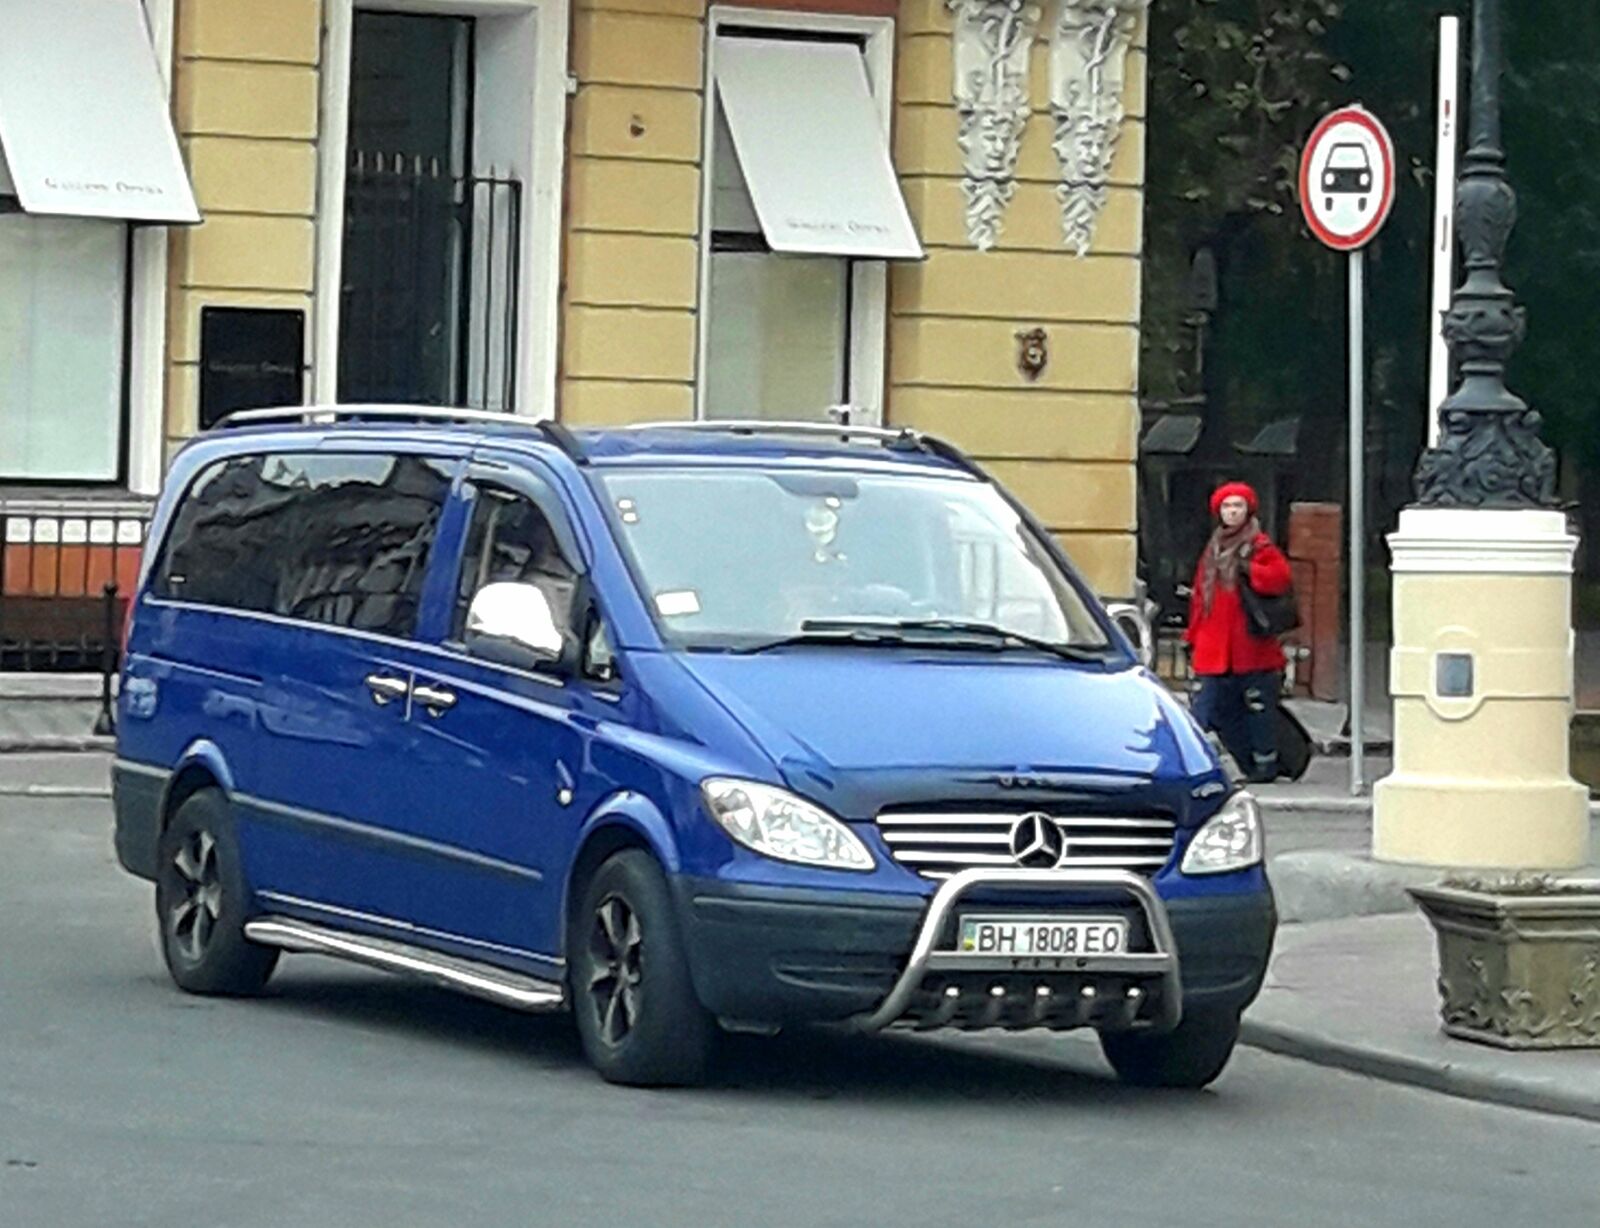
(903, 436)
(334, 415)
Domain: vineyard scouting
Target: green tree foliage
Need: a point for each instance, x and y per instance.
(1235, 88)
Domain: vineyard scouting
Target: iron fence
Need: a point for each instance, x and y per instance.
(429, 302)
(64, 586)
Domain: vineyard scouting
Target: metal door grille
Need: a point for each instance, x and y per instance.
(428, 313)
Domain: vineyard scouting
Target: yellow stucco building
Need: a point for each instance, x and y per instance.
(612, 211)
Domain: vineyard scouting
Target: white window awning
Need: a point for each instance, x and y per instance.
(811, 143)
(83, 113)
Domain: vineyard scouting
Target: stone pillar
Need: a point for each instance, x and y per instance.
(1481, 674)
(1482, 666)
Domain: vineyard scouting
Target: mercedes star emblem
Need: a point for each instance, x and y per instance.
(1037, 843)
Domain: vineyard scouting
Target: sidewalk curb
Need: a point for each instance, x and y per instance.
(57, 744)
(100, 792)
(1339, 747)
(1313, 804)
(1415, 1072)
(1339, 803)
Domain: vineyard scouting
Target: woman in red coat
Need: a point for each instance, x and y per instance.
(1239, 673)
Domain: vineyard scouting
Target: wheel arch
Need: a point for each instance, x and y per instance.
(201, 766)
(622, 821)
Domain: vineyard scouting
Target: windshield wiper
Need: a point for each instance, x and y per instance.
(1072, 652)
(948, 633)
(856, 633)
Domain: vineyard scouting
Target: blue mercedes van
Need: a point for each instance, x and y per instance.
(683, 728)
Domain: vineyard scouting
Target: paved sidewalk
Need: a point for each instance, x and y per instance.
(1359, 994)
(1352, 982)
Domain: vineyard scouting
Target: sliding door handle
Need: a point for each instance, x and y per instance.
(386, 687)
(435, 699)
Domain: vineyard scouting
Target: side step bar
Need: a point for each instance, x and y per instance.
(513, 989)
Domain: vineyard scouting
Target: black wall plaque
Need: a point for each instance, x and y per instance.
(250, 358)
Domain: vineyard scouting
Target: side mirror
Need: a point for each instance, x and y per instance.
(1131, 621)
(512, 623)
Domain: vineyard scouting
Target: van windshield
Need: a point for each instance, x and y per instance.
(746, 558)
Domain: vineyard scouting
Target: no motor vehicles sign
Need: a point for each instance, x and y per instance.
(1347, 179)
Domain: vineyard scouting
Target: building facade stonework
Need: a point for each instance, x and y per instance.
(561, 208)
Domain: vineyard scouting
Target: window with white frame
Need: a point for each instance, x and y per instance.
(87, 150)
(802, 209)
(63, 293)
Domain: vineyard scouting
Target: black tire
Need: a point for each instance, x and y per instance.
(1191, 1056)
(638, 1016)
(202, 903)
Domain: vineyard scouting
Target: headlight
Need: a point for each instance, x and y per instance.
(1230, 840)
(779, 824)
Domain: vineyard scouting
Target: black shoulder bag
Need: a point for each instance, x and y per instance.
(1267, 617)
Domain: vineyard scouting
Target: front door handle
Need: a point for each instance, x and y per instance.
(435, 699)
(386, 687)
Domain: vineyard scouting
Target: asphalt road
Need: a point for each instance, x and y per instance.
(348, 1098)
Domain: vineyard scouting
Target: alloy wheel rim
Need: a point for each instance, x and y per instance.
(193, 917)
(616, 968)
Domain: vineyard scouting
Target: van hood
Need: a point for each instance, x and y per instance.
(831, 717)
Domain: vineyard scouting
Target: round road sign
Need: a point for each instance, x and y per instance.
(1347, 178)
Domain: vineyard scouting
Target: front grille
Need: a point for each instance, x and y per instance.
(938, 844)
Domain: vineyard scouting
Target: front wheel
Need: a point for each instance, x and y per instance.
(1192, 1055)
(202, 903)
(637, 1013)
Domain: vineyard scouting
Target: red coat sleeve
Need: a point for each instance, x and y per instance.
(1194, 602)
(1269, 569)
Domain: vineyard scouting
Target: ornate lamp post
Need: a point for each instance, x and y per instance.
(1481, 670)
(1489, 454)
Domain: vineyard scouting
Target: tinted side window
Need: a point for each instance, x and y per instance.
(342, 540)
(510, 539)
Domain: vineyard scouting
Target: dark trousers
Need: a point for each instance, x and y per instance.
(1242, 710)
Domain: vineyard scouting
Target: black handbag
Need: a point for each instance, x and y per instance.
(1268, 617)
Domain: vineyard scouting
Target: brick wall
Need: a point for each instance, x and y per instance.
(1316, 552)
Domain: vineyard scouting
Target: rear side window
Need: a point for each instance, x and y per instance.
(339, 540)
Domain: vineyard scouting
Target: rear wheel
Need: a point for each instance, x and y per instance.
(636, 1008)
(202, 902)
(1192, 1055)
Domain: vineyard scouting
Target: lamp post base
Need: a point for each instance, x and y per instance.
(1463, 823)
(1481, 674)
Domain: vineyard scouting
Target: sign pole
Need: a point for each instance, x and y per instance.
(1358, 578)
(1347, 185)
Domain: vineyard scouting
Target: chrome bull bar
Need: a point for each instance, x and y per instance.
(1161, 963)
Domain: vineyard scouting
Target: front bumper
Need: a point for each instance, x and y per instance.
(763, 955)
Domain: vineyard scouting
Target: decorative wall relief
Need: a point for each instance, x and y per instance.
(1089, 43)
(1033, 353)
(993, 39)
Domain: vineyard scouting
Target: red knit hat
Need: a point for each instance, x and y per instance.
(1228, 490)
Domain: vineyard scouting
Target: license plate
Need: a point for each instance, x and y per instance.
(1014, 935)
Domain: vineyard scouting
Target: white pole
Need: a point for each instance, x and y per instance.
(1444, 217)
(1358, 638)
